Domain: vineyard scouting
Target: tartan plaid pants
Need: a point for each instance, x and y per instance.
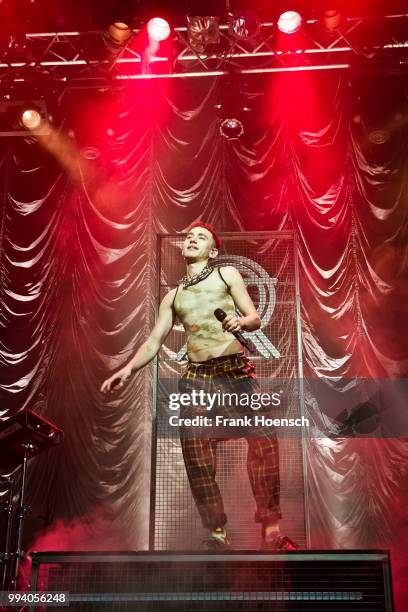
(229, 374)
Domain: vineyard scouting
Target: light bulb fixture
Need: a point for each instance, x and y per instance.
(158, 29)
(231, 128)
(289, 22)
(31, 118)
(203, 31)
(243, 24)
(331, 20)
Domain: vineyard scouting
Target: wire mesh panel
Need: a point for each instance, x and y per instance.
(267, 263)
(141, 582)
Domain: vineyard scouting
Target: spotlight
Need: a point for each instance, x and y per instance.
(203, 31)
(31, 118)
(244, 24)
(115, 39)
(331, 19)
(119, 33)
(378, 137)
(21, 117)
(158, 29)
(289, 22)
(231, 128)
(90, 152)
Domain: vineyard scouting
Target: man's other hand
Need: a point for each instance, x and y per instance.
(116, 381)
(231, 324)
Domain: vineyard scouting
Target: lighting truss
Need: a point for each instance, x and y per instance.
(80, 59)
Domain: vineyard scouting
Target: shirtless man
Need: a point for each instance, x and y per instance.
(215, 358)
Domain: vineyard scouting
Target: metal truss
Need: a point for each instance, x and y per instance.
(89, 59)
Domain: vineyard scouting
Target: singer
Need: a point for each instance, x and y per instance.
(205, 301)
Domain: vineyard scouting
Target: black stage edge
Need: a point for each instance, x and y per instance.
(236, 581)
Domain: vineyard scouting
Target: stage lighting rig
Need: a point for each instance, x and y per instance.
(203, 31)
(231, 128)
(289, 22)
(116, 37)
(243, 25)
(90, 152)
(119, 33)
(232, 107)
(331, 20)
(158, 29)
(31, 118)
(20, 118)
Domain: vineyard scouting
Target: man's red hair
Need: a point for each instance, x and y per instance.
(208, 227)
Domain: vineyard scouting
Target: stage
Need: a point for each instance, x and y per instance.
(158, 166)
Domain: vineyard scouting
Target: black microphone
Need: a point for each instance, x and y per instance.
(220, 315)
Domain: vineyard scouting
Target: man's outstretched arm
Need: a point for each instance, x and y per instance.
(250, 320)
(148, 350)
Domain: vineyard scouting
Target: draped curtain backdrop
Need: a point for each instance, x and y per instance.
(323, 154)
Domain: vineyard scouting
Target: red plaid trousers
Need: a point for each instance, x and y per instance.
(229, 374)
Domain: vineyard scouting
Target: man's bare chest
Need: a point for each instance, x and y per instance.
(203, 298)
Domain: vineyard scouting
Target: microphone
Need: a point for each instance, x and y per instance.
(220, 315)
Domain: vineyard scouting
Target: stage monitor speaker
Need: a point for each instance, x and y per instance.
(214, 582)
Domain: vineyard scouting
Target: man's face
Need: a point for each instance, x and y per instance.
(199, 245)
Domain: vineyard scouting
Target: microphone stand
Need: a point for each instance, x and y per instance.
(6, 555)
(21, 512)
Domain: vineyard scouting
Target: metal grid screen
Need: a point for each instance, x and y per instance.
(268, 265)
(138, 582)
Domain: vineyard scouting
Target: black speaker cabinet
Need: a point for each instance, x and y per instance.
(234, 582)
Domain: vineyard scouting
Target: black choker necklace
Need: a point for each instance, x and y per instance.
(187, 281)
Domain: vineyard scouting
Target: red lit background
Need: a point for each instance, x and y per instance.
(77, 277)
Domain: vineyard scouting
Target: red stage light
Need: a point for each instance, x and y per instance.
(158, 29)
(31, 118)
(289, 22)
